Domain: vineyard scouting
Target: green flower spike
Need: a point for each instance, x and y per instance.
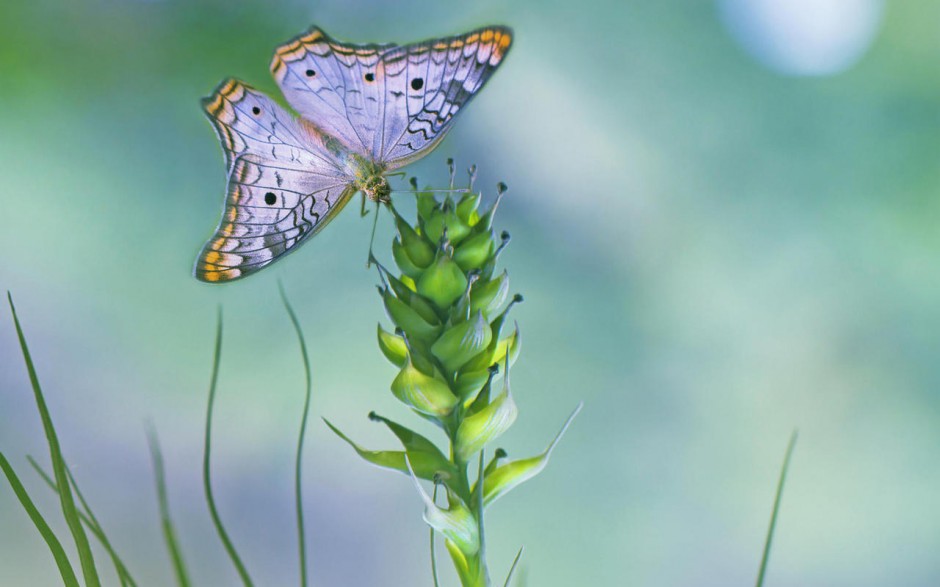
(450, 334)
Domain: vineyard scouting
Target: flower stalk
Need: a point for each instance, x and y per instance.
(453, 345)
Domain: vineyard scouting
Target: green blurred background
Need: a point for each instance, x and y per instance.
(724, 219)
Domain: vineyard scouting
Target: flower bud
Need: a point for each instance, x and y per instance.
(486, 219)
(404, 260)
(458, 344)
(489, 295)
(496, 352)
(420, 252)
(408, 295)
(393, 347)
(423, 393)
(443, 282)
(445, 221)
(478, 429)
(406, 318)
(474, 251)
(427, 204)
(469, 384)
(467, 206)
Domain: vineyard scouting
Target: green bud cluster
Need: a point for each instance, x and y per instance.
(453, 346)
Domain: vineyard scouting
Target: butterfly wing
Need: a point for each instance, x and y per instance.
(426, 84)
(333, 85)
(283, 186)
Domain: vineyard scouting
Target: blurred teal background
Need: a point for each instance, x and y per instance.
(724, 219)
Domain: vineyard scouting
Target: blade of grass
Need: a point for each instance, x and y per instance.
(298, 468)
(169, 532)
(206, 475)
(433, 550)
(773, 515)
(58, 553)
(69, 510)
(88, 517)
(479, 497)
(512, 569)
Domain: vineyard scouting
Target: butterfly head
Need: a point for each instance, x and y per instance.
(376, 188)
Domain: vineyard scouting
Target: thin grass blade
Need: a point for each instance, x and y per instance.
(69, 510)
(433, 549)
(58, 553)
(169, 531)
(298, 467)
(773, 515)
(512, 569)
(206, 473)
(88, 517)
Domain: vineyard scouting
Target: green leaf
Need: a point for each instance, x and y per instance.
(510, 475)
(58, 553)
(456, 523)
(388, 459)
(426, 464)
(458, 344)
(424, 455)
(423, 393)
(69, 510)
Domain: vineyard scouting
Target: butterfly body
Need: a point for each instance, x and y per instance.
(364, 110)
(370, 178)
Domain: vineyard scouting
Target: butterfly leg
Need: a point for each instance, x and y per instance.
(363, 212)
(375, 222)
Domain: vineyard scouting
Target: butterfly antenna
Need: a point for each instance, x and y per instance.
(455, 190)
(375, 222)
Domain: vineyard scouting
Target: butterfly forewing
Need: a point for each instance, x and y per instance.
(427, 84)
(282, 187)
(334, 86)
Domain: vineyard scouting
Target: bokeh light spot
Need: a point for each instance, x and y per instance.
(803, 37)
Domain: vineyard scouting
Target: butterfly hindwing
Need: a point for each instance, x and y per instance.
(427, 84)
(282, 185)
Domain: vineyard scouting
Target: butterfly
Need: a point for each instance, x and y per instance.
(364, 110)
